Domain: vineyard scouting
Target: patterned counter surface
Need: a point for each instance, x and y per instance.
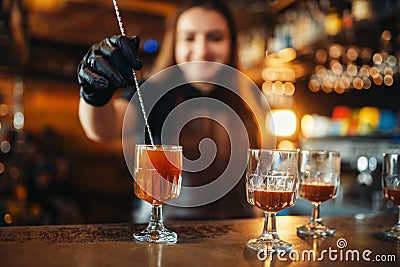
(357, 242)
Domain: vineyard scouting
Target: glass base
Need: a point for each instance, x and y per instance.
(158, 235)
(315, 231)
(155, 231)
(269, 245)
(392, 234)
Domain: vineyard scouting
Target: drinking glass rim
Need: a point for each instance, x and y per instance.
(273, 150)
(158, 146)
(391, 154)
(319, 151)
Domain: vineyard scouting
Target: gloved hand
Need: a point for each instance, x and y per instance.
(106, 67)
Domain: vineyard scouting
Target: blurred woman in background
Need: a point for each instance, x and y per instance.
(201, 31)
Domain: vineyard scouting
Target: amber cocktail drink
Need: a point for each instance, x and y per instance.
(157, 179)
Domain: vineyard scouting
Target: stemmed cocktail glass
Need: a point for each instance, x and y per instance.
(157, 179)
(271, 184)
(319, 175)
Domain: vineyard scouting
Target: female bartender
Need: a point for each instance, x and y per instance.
(201, 30)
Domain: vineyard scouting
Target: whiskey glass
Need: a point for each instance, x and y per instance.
(319, 175)
(157, 179)
(271, 185)
(391, 189)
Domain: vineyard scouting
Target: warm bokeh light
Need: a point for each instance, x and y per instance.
(358, 83)
(378, 80)
(282, 122)
(377, 59)
(314, 85)
(7, 218)
(5, 146)
(386, 35)
(388, 71)
(352, 69)
(286, 145)
(41, 5)
(368, 120)
(366, 53)
(277, 88)
(21, 192)
(314, 126)
(269, 74)
(289, 88)
(327, 85)
(367, 83)
(267, 87)
(336, 67)
(287, 54)
(392, 60)
(388, 80)
(14, 172)
(307, 125)
(364, 70)
(346, 81)
(333, 23)
(335, 51)
(321, 56)
(339, 87)
(320, 70)
(361, 9)
(374, 72)
(3, 109)
(352, 53)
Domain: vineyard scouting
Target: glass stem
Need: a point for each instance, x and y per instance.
(269, 230)
(156, 217)
(397, 225)
(315, 219)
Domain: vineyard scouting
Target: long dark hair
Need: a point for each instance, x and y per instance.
(166, 58)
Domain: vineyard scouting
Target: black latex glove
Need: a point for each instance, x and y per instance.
(106, 67)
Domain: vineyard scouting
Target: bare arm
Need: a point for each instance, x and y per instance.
(103, 124)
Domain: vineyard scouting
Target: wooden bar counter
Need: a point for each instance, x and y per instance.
(201, 243)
